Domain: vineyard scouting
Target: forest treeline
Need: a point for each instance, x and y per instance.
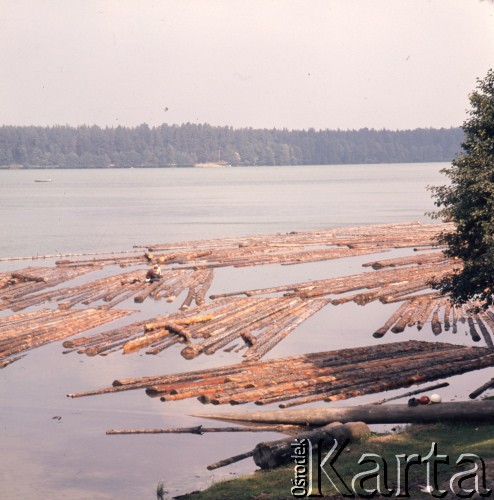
(189, 144)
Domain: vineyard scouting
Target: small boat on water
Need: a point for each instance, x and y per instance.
(212, 165)
(42, 180)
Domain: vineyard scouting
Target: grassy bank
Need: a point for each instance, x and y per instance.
(452, 441)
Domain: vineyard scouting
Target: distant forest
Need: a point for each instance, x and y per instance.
(190, 144)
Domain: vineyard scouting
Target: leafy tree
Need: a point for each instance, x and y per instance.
(468, 201)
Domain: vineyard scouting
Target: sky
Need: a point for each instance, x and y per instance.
(296, 64)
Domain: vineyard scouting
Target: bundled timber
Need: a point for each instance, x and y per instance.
(21, 332)
(254, 320)
(416, 260)
(261, 323)
(114, 288)
(385, 285)
(324, 376)
(416, 311)
(281, 248)
(58, 255)
(16, 285)
(469, 411)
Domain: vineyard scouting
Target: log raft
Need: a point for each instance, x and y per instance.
(250, 317)
(325, 376)
(21, 332)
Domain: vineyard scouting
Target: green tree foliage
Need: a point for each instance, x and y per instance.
(187, 144)
(468, 201)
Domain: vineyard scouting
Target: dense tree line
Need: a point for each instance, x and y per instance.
(188, 144)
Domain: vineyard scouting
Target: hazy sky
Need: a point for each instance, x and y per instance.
(344, 64)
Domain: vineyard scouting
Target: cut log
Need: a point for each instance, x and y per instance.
(481, 389)
(412, 393)
(272, 454)
(199, 429)
(469, 411)
(231, 460)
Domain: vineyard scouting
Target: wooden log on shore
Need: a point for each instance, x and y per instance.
(271, 454)
(231, 460)
(470, 411)
(275, 453)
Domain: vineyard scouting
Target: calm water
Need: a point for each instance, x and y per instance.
(88, 210)
(84, 210)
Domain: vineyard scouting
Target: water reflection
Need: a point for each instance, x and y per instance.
(71, 457)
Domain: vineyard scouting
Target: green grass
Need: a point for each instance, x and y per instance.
(452, 440)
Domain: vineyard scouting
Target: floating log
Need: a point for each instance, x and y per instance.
(266, 319)
(200, 430)
(410, 260)
(481, 389)
(33, 280)
(478, 411)
(231, 460)
(484, 331)
(327, 376)
(473, 330)
(412, 393)
(380, 332)
(22, 332)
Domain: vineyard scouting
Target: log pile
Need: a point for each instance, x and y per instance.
(382, 235)
(324, 376)
(259, 325)
(253, 324)
(21, 332)
(403, 280)
(279, 248)
(158, 335)
(386, 285)
(444, 316)
(112, 290)
(16, 285)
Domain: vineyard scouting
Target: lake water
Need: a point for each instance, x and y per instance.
(87, 210)
(105, 210)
